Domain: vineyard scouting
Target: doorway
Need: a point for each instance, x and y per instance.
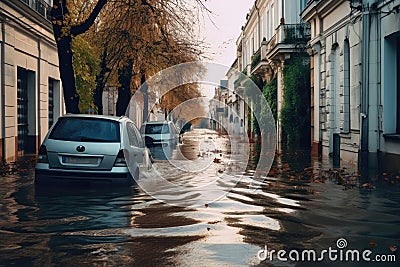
(26, 111)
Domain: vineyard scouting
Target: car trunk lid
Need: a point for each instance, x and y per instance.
(81, 155)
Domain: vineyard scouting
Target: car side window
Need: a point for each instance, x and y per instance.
(138, 136)
(133, 141)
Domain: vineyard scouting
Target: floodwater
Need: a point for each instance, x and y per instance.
(300, 205)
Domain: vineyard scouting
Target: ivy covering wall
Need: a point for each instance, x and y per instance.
(270, 92)
(252, 119)
(295, 113)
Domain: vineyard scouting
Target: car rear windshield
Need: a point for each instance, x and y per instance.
(86, 130)
(157, 129)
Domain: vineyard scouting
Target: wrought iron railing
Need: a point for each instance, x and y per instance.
(294, 33)
(291, 34)
(40, 6)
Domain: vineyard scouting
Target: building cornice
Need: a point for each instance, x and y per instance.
(17, 13)
(320, 8)
(29, 13)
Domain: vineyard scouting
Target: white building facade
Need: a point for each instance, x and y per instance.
(273, 33)
(219, 109)
(356, 83)
(237, 107)
(30, 91)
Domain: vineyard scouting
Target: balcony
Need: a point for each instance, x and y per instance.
(296, 33)
(288, 38)
(40, 6)
(291, 34)
(259, 63)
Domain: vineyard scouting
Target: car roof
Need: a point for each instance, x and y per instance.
(107, 117)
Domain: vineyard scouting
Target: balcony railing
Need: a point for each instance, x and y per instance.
(40, 6)
(291, 34)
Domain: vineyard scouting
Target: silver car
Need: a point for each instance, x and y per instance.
(92, 148)
(162, 133)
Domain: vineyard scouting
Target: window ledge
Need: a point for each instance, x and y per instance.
(346, 135)
(392, 137)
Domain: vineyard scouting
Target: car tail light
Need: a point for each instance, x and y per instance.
(42, 155)
(120, 160)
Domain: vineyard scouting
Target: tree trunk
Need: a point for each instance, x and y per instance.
(101, 83)
(71, 97)
(145, 91)
(124, 90)
(63, 33)
(98, 97)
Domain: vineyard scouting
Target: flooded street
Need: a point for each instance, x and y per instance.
(300, 204)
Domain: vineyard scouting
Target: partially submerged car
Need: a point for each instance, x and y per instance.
(92, 148)
(162, 133)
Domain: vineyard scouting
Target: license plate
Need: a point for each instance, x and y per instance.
(80, 160)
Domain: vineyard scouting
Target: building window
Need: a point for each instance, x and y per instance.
(346, 88)
(314, 28)
(27, 106)
(255, 39)
(303, 5)
(22, 108)
(252, 44)
(262, 26)
(391, 85)
(269, 26)
(272, 19)
(248, 54)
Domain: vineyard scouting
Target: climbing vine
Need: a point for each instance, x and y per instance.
(295, 113)
(253, 121)
(268, 112)
(270, 92)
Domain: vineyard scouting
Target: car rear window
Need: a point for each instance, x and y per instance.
(86, 130)
(157, 129)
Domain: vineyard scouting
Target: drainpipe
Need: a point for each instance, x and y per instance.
(380, 107)
(3, 76)
(363, 160)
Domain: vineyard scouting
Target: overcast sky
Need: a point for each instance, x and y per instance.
(229, 16)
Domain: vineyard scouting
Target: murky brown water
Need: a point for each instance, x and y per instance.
(298, 206)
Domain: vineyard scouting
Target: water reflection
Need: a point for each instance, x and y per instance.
(44, 218)
(296, 206)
